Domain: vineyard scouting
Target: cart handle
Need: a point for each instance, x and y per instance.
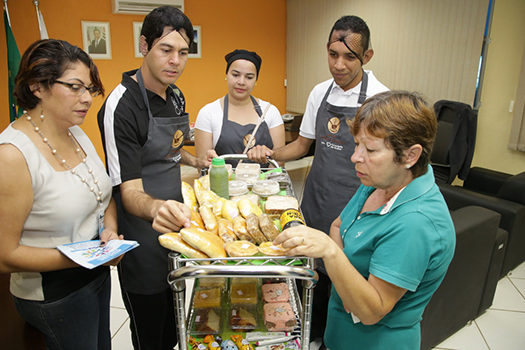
(262, 271)
(244, 156)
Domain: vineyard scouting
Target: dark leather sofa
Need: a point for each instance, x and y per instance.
(503, 193)
(464, 290)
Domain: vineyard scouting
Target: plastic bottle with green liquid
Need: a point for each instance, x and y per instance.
(219, 178)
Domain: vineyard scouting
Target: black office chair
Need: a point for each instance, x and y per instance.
(455, 140)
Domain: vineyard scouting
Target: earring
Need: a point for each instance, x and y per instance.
(42, 115)
(407, 166)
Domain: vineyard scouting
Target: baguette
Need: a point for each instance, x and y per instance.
(173, 241)
(205, 241)
(196, 220)
(188, 195)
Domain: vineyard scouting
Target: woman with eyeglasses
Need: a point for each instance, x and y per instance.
(54, 191)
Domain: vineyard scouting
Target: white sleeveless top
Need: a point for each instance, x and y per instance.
(64, 210)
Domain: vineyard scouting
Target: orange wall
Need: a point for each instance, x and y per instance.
(258, 25)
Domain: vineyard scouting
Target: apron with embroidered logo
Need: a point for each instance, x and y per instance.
(234, 135)
(144, 269)
(332, 180)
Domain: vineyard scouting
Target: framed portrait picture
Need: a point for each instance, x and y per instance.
(96, 39)
(195, 48)
(137, 27)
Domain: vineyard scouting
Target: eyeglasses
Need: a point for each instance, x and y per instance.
(79, 89)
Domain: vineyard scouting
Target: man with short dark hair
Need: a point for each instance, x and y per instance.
(332, 104)
(143, 125)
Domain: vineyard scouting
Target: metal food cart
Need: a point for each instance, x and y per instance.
(287, 267)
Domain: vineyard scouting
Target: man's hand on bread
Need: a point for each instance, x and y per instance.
(171, 216)
(259, 154)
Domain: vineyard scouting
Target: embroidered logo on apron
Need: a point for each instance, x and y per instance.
(333, 125)
(349, 123)
(245, 140)
(178, 137)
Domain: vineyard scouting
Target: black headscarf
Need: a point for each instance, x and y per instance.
(243, 55)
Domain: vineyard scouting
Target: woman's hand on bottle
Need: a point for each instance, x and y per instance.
(306, 241)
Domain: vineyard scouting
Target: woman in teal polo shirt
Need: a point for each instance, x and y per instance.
(390, 248)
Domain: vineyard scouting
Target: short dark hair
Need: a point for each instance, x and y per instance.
(44, 62)
(162, 17)
(355, 25)
(402, 119)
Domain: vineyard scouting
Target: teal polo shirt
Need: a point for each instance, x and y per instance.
(408, 243)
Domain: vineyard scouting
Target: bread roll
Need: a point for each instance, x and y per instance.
(210, 222)
(226, 230)
(188, 195)
(205, 241)
(229, 210)
(268, 249)
(173, 241)
(241, 248)
(239, 228)
(246, 207)
(217, 207)
(196, 220)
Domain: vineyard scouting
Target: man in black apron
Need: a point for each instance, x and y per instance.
(332, 180)
(143, 125)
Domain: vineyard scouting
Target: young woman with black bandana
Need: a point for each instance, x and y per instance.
(226, 125)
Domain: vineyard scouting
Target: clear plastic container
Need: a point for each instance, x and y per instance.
(237, 188)
(266, 188)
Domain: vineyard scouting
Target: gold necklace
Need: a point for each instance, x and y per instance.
(95, 189)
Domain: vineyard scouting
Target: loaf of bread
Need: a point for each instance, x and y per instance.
(173, 241)
(205, 241)
(268, 227)
(252, 225)
(278, 204)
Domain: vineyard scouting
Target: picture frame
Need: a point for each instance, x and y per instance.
(137, 27)
(196, 48)
(96, 39)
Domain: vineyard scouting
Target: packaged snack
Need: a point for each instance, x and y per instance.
(279, 317)
(173, 241)
(206, 321)
(265, 188)
(243, 317)
(243, 293)
(268, 227)
(275, 292)
(241, 343)
(226, 230)
(207, 298)
(269, 249)
(212, 282)
(238, 188)
(240, 230)
(252, 225)
(278, 204)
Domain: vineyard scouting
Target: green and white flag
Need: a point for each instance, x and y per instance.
(13, 61)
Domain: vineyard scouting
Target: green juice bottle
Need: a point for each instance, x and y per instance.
(219, 178)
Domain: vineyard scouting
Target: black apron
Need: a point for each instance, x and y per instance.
(332, 180)
(234, 135)
(144, 270)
